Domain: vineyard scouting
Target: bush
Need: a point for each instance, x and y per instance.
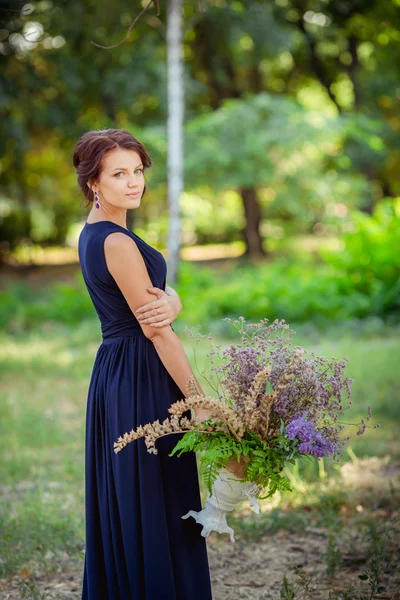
(294, 292)
(22, 310)
(15, 226)
(370, 261)
(358, 282)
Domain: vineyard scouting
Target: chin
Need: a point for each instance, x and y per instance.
(133, 203)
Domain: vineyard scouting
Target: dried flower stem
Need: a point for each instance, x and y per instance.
(130, 437)
(250, 409)
(225, 415)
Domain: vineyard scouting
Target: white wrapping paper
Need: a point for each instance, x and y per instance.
(227, 492)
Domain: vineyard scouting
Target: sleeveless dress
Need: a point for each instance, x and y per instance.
(137, 545)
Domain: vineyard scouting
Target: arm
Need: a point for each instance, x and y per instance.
(127, 267)
(160, 312)
(174, 300)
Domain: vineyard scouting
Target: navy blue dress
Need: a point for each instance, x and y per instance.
(137, 545)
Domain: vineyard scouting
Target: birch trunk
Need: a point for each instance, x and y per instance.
(174, 132)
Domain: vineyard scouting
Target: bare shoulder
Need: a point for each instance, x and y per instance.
(122, 246)
(118, 240)
(126, 265)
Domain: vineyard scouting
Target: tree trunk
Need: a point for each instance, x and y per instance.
(175, 132)
(252, 214)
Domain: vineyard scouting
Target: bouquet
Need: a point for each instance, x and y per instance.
(274, 403)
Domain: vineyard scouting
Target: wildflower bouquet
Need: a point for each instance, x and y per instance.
(274, 403)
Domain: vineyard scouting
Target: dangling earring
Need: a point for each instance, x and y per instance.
(96, 199)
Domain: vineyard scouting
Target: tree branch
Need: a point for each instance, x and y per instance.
(352, 70)
(131, 26)
(316, 63)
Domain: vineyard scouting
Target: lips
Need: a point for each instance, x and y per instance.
(134, 194)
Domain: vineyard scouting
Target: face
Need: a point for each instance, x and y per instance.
(121, 182)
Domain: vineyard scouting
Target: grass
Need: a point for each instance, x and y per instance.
(41, 528)
(44, 379)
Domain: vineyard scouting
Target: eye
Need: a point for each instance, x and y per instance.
(119, 173)
(139, 170)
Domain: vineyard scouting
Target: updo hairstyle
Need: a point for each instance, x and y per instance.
(92, 148)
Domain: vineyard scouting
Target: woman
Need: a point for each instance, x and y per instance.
(137, 545)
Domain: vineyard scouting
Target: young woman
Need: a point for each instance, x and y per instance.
(137, 545)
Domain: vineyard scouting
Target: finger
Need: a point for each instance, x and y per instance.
(151, 320)
(154, 304)
(145, 307)
(155, 290)
(157, 314)
(149, 313)
(163, 323)
(154, 319)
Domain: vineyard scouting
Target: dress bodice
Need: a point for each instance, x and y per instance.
(115, 315)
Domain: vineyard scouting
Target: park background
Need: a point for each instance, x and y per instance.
(290, 210)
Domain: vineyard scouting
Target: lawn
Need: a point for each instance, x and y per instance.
(338, 508)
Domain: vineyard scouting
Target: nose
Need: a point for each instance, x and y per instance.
(133, 182)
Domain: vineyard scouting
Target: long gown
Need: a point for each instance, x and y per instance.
(137, 545)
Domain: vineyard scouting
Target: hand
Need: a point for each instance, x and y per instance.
(159, 312)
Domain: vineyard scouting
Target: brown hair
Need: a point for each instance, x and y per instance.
(93, 146)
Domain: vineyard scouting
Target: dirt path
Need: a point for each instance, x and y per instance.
(244, 570)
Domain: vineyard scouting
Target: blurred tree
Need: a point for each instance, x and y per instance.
(65, 86)
(351, 50)
(335, 57)
(228, 46)
(269, 142)
(175, 133)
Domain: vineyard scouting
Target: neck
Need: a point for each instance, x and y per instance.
(117, 217)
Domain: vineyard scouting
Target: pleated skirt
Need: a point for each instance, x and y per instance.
(137, 545)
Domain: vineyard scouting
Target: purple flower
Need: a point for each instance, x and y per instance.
(308, 389)
(302, 429)
(312, 442)
(319, 448)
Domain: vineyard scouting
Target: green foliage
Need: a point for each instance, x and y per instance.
(287, 591)
(204, 206)
(41, 504)
(305, 583)
(217, 449)
(23, 309)
(356, 282)
(251, 143)
(274, 98)
(15, 226)
(371, 257)
(333, 554)
(254, 527)
(38, 531)
(265, 462)
(30, 590)
(379, 565)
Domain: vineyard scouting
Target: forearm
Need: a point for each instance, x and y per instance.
(173, 356)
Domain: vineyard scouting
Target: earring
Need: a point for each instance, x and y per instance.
(96, 198)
